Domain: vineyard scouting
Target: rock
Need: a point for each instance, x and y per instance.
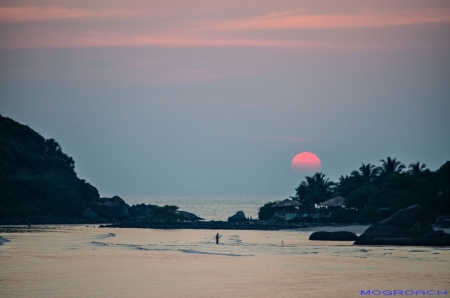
(400, 229)
(239, 216)
(115, 208)
(445, 224)
(142, 210)
(139, 212)
(434, 238)
(190, 216)
(333, 236)
(89, 213)
(320, 235)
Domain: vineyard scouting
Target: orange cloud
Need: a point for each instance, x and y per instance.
(29, 14)
(186, 31)
(291, 20)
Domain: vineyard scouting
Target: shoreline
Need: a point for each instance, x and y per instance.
(266, 225)
(223, 225)
(182, 226)
(263, 225)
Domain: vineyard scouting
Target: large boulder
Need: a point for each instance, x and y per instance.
(114, 208)
(333, 236)
(399, 229)
(435, 238)
(239, 216)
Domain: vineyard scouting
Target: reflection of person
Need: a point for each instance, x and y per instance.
(217, 238)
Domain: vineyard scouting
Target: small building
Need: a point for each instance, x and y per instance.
(286, 209)
(334, 202)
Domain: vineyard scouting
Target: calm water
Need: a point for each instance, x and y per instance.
(78, 261)
(208, 207)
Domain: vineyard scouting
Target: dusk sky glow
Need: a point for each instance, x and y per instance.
(216, 98)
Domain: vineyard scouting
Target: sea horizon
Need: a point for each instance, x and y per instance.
(208, 207)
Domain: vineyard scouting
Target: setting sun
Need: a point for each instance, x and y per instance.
(305, 161)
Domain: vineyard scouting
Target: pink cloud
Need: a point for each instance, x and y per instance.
(292, 20)
(28, 14)
(186, 31)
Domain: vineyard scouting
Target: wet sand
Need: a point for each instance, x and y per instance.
(75, 261)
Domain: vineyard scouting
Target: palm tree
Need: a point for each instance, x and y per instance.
(343, 180)
(416, 168)
(368, 172)
(391, 165)
(315, 189)
(301, 191)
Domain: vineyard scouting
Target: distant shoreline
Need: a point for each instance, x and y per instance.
(209, 225)
(266, 225)
(223, 225)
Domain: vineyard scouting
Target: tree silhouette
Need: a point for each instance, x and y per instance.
(367, 173)
(391, 165)
(417, 168)
(315, 189)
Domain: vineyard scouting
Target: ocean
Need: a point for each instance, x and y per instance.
(207, 207)
(87, 261)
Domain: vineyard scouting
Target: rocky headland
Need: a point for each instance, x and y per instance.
(405, 227)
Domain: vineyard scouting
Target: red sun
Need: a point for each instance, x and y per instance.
(305, 161)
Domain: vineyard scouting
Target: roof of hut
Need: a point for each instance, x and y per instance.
(336, 201)
(287, 203)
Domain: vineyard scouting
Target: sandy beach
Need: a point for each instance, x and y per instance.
(79, 261)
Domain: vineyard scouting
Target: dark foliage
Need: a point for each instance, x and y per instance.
(167, 213)
(266, 211)
(36, 176)
(388, 186)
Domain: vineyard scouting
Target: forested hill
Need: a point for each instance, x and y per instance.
(36, 176)
(391, 186)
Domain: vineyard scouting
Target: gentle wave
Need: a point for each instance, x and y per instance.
(3, 240)
(213, 253)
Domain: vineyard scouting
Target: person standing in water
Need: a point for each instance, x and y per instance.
(217, 238)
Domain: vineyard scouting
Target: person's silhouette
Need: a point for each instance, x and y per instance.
(217, 238)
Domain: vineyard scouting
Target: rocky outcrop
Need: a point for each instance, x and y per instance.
(114, 208)
(333, 236)
(89, 213)
(142, 211)
(190, 216)
(406, 227)
(435, 238)
(239, 216)
(445, 224)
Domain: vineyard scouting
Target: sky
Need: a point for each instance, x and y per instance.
(217, 97)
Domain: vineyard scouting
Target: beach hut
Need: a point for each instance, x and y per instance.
(334, 202)
(287, 209)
